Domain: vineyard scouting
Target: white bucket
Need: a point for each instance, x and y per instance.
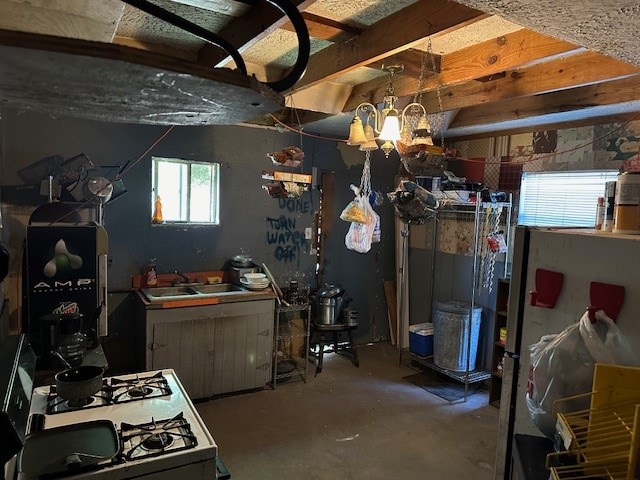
(627, 210)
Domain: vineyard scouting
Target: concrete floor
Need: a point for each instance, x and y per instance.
(353, 423)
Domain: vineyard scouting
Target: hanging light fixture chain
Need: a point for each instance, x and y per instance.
(438, 93)
(423, 73)
(365, 181)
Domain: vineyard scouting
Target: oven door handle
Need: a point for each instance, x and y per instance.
(71, 462)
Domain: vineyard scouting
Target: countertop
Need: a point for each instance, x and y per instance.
(245, 296)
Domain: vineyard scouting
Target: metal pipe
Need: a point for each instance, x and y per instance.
(184, 24)
(474, 282)
(403, 268)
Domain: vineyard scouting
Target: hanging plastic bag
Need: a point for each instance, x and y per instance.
(354, 211)
(377, 231)
(563, 366)
(360, 235)
(497, 243)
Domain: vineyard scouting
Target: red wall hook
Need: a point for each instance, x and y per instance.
(606, 297)
(548, 286)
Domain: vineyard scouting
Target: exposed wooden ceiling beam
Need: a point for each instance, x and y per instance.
(397, 32)
(412, 61)
(583, 68)
(325, 28)
(84, 19)
(245, 31)
(225, 7)
(607, 93)
(493, 56)
(156, 47)
(586, 122)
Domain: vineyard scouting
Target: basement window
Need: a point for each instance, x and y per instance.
(189, 191)
(562, 199)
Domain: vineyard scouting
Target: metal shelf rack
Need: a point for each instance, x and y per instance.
(485, 217)
(286, 331)
(473, 376)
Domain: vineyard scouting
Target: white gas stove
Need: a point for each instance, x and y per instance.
(159, 430)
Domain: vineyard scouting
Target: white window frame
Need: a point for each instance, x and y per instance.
(185, 198)
(561, 198)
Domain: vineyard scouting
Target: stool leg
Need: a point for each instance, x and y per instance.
(335, 342)
(320, 354)
(352, 346)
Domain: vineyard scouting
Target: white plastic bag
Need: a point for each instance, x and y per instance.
(563, 365)
(360, 235)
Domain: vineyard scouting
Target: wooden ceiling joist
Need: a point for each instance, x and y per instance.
(325, 28)
(246, 31)
(507, 52)
(500, 130)
(583, 68)
(395, 33)
(607, 93)
(412, 61)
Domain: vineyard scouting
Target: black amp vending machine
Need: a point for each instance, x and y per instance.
(66, 283)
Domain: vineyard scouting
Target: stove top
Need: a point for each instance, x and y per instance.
(156, 437)
(159, 428)
(114, 390)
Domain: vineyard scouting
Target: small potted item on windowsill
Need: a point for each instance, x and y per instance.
(157, 212)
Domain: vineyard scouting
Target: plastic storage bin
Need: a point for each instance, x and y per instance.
(421, 339)
(450, 335)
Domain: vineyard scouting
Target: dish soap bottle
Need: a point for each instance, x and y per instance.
(157, 211)
(151, 276)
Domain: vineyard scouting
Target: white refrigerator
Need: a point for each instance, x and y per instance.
(581, 256)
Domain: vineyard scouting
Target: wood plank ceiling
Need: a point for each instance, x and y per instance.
(482, 67)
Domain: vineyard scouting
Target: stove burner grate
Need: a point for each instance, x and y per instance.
(157, 441)
(156, 438)
(80, 402)
(141, 391)
(114, 390)
(57, 404)
(139, 387)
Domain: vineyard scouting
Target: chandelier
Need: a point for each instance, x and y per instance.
(409, 126)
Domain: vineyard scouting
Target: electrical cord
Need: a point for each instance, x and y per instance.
(123, 170)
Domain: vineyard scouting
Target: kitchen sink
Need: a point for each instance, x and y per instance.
(164, 294)
(219, 288)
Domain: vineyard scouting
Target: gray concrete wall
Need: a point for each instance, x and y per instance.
(248, 215)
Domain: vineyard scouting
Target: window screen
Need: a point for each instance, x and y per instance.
(561, 199)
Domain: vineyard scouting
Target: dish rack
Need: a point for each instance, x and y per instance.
(601, 441)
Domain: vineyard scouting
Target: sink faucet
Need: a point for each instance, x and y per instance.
(184, 277)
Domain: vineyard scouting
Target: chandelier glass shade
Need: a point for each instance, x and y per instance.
(409, 126)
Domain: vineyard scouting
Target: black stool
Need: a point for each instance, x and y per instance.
(319, 336)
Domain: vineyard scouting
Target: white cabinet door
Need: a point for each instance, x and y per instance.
(242, 359)
(187, 347)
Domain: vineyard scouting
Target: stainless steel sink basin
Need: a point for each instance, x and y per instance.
(218, 288)
(164, 294)
(168, 291)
